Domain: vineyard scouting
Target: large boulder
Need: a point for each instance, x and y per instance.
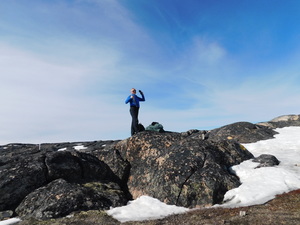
(60, 198)
(20, 174)
(27, 172)
(242, 132)
(180, 169)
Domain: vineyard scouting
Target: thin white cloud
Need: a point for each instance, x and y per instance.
(39, 96)
(209, 53)
(27, 70)
(259, 98)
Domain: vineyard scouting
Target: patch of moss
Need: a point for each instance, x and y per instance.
(243, 147)
(110, 188)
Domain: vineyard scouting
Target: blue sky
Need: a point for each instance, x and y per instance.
(67, 66)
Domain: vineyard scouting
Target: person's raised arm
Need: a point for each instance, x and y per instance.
(142, 94)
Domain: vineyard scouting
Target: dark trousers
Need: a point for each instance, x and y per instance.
(134, 112)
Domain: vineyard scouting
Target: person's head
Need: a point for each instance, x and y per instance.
(133, 91)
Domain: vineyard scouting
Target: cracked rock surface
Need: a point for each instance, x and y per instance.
(179, 169)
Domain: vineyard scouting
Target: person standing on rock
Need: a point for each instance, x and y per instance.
(134, 101)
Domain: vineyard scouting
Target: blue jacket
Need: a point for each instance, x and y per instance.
(135, 101)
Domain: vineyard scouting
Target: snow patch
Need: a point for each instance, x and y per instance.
(80, 147)
(10, 221)
(144, 208)
(263, 184)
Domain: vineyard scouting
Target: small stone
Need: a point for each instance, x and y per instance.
(6, 214)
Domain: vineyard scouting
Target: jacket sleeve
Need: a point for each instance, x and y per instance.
(142, 99)
(128, 99)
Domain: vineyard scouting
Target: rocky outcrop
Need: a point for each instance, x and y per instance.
(64, 180)
(242, 132)
(187, 169)
(245, 132)
(53, 180)
(179, 169)
(60, 198)
(20, 174)
(282, 121)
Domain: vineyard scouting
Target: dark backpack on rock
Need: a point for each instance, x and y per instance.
(141, 127)
(155, 126)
